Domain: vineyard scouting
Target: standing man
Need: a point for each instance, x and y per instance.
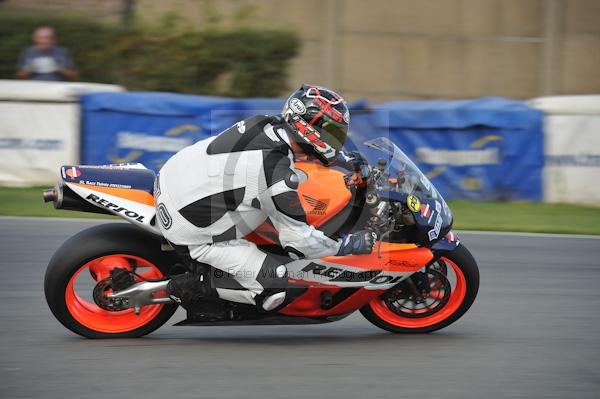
(44, 60)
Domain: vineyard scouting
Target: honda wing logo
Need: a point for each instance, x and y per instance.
(319, 207)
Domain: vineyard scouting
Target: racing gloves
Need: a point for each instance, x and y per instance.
(352, 160)
(358, 243)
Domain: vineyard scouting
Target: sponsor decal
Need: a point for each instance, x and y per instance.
(163, 216)
(319, 206)
(338, 275)
(579, 160)
(488, 156)
(151, 143)
(103, 184)
(400, 262)
(297, 106)
(435, 232)
(347, 117)
(475, 155)
(241, 127)
(115, 208)
(14, 143)
(413, 203)
(438, 207)
(176, 131)
(452, 237)
(131, 145)
(73, 173)
(425, 210)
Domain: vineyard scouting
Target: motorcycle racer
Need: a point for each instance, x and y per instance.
(210, 195)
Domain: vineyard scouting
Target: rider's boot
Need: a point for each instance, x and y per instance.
(274, 279)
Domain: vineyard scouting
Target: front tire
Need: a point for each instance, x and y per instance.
(90, 255)
(461, 296)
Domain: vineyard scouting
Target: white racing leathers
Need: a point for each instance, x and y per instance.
(210, 195)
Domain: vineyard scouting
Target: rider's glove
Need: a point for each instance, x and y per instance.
(357, 243)
(352, 160)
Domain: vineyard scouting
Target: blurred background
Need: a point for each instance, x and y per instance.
(388, 50)
(498, 101)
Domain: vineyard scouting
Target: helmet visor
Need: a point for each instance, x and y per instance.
(334, 133)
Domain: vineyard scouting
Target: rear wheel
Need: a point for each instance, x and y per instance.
(88, 258)
(429, 300)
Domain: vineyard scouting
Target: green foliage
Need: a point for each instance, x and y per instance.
(169, 56)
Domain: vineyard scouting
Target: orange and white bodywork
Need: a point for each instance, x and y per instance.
(125, 190)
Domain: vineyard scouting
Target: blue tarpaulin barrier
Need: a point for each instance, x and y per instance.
(151, 127)
(484, 149)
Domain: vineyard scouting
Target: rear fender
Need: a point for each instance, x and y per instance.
(124, 190)
(137, 209)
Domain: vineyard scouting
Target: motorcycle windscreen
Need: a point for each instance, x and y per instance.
(402, 176)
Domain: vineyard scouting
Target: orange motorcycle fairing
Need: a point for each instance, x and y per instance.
(350, 282)
(323, 194)
(393, 257)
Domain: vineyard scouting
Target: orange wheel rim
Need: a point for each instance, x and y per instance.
(457, 297)
(95, 318)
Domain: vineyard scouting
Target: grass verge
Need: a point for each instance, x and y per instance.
(27, 201)
(526, 217)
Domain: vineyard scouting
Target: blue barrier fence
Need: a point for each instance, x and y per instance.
(150, 127)
(484, 149)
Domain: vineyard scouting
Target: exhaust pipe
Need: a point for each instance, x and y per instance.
(50, 195)
(63, 197)
(54, 195)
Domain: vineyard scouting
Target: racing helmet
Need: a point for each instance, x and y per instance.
(319, 119)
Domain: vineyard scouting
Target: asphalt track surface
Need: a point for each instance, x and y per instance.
(533, 332)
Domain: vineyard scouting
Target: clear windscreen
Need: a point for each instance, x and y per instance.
(399, 172)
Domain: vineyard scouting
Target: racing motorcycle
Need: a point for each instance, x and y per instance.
(111, 280)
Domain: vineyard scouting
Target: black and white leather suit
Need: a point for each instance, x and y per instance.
(212, 194)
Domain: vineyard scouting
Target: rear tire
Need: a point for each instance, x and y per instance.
(99, 242)
(378, 313)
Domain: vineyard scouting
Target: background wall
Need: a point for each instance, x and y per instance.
(394, 49)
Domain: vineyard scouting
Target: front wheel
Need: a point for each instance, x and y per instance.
(429, 300)
(86, 259)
